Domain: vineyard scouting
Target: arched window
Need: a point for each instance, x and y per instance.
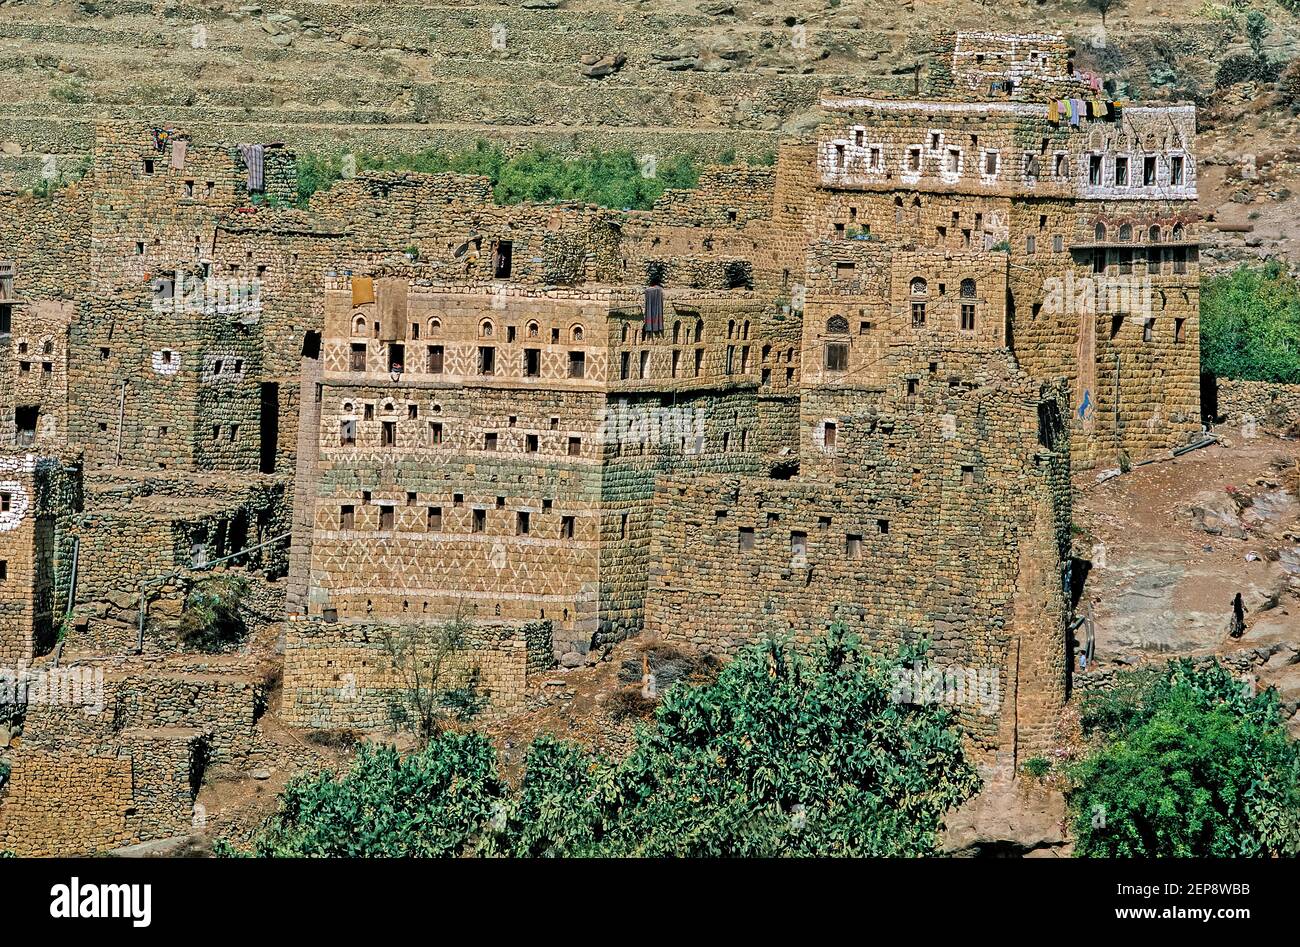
(744, 334)
(435, 326)
(532, 330)
(918, 286)
(624, 334)
(485, 328)
(1178, 232)
(677, 331)
(1100, 232)
(968, 289)
(731, 327)
(837, 325)
(575, 333)
(1125, 232)
(1154, 235)
(699, 330)
(359, 325)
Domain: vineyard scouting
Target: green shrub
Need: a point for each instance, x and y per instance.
(72, 92)
(1250, 324)
(606, 178)
(212, 619)
(316, 173)
(787, 754)
(1192, 766)
(1037, 767)
(564, 800)
(1246, 67)
(782, 754)
(433, 803)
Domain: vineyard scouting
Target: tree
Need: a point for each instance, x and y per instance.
(1192, 765)
(1257, 30)
(436, 681)
(1103, 7)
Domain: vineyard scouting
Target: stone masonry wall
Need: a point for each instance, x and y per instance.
(343, 675)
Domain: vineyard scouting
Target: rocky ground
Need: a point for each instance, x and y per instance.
(1173, 543)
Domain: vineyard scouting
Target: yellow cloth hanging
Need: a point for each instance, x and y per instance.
(1054, 111)
(363, 290)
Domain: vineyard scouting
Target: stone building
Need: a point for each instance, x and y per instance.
(844, 389)
(1080, 205)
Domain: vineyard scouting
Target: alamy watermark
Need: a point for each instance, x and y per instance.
(210, 295)
(680, 428)
(1088, 295)
(70, 687)
(954, 685)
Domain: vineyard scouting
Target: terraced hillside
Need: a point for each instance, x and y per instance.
(710, 76)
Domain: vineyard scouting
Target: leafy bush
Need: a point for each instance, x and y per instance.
(1289, 85)
(1193, 766)
(1250, 325)
(433, 803)
(1246, 67)
(563, 803)
(72, 92)
(316, 173)
(791, 755)
(782, 754)
(1037, 767)
(212, 619)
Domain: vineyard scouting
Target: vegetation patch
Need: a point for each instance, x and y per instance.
(213, 619)
(784, 753)
(1250, 324)
(1186, 762)
(615, 179)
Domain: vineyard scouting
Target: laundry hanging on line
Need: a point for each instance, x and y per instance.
(363, 291)
(654, 309)
(254, 156)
